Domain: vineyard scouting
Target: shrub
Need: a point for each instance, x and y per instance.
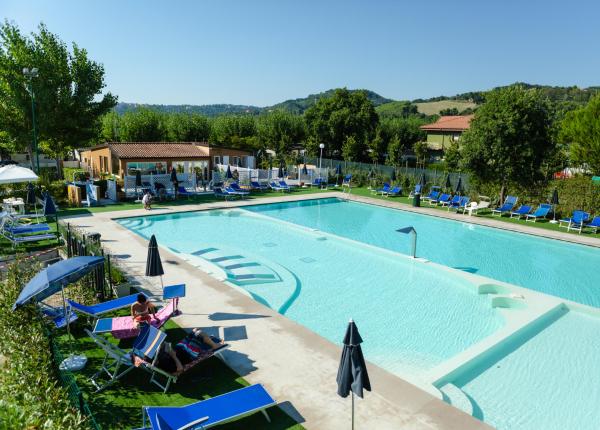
(30, 395)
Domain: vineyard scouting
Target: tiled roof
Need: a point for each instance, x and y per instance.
(158, 149)
(450, 123)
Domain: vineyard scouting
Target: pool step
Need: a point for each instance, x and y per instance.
(457, 398)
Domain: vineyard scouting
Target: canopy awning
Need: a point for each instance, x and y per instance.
(13, 174)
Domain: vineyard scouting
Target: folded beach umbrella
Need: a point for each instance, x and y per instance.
(554, 201)
(174, 176)
(153, 263)
(30, 198)
(393, 176)
(459, 187)
(138, 178)
(352, 374)
(228, 174)
(304, 170)
(423, 180)
(280, 172)
(448, 183)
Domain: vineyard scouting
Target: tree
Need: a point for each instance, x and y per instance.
(509, 138)
(352, 149)
(142, 125)
(581, 130)
(400, 135)
(237, 131)
(278, 130)
(395, 151)
(449, 112)
(183, 127)
(110, 127)
(333, 119)
(421, 151)
(68, 92)
(452, 157)
(376, 147)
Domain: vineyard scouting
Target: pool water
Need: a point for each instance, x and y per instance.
(554, 267)
(549, 380)
(413, 315)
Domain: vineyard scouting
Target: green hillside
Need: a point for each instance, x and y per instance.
(434, 108)
(298, 106)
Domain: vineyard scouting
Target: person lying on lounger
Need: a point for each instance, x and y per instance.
(172, 360)
(142, 311)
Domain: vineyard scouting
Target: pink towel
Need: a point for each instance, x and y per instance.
(124, 327)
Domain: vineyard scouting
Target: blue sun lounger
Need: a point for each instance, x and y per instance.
(455, 201)
(277, 187)
(210, 412)
(98, 309)
(522, 211)
(385, 189)
(442, 199)
(507, 207)
(595, 224)
(576, 221)
(541, 212)
(57, 315)
(257, 186)
(395, 191)
(461, 204)
(417, 190)
(220, 192)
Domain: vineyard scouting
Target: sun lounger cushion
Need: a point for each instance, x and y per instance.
(124, 327)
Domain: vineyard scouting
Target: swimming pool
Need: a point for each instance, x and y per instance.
(547, 378)
(559, 268)
(417, 315)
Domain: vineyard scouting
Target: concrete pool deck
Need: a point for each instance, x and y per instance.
(296, 365)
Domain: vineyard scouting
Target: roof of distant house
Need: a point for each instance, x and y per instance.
(449, 123)
(142, 150)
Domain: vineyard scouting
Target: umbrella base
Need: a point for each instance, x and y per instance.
(73, 363)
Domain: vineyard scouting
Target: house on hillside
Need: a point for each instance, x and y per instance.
(124, 158)
(444, 131)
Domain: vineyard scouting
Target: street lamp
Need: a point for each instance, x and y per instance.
(321, 145)
(29, 75)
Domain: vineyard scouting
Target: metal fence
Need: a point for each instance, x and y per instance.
(432, 176)
(186, 180)
(293, 173)
(69, 383)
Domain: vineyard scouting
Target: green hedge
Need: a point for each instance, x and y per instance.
(31, 396)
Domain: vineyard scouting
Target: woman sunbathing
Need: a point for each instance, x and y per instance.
(172, 360)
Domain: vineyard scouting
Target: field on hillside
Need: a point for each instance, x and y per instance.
(434, 108)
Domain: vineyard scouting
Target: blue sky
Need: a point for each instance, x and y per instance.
(264, 52)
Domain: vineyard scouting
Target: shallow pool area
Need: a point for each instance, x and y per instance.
(548, 377)
(416, 315)
(550, 266)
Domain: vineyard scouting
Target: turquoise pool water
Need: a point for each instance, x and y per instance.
(548, 379)
(413, 316)
(562, 269)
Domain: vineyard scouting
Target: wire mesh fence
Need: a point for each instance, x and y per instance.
(69, 383)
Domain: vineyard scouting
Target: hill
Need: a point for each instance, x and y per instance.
(434, 108)
(298, 106)
(208, 110)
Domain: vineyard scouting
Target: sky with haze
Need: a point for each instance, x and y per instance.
(264, 52)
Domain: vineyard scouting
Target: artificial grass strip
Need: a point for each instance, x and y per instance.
(119, 406)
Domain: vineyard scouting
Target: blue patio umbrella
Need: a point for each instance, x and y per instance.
(55, 277)
(352, 374)
(228, 175)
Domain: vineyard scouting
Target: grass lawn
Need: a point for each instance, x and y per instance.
(120, 405)
(541, 224)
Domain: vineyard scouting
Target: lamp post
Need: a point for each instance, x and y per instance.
(321, 145)
(29, 75)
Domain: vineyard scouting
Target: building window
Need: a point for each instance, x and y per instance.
(235, 161)
(217, 159)
(147, 168)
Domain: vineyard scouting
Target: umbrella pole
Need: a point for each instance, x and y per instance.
(67, 317)
(353, 410)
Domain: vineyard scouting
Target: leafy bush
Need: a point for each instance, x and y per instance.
(30, 394)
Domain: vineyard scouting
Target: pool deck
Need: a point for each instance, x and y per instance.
(296, 365)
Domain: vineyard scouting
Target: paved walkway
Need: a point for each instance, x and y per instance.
(296, 365)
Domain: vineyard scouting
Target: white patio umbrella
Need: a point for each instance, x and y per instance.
(12, 174)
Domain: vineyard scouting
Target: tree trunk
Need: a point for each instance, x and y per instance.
(502, 191)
